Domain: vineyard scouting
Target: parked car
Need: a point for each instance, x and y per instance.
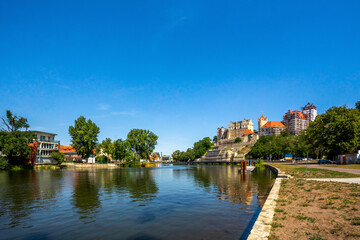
(282, 160)
(298, 158)
(325, 161)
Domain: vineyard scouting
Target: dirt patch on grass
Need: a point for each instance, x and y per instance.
(317, 210)
(303, 172)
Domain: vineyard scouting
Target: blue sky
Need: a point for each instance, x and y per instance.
(178, 68)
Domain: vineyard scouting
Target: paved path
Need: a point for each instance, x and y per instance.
(346, 170)
(345, 180)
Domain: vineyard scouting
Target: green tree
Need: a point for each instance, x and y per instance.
(58, 157)
(335, 132)
(176, 155)
(142, 142)
(84, 136)
(105, 147)
(215, 138)
(238, 140)
(14, 143)
(357, 105)
(121, 150)
(12, 123)
(201, 147)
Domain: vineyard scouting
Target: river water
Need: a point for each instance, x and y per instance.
(168, 202)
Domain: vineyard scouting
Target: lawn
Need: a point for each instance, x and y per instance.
(316, 210)
(301, 172)
(350, 166)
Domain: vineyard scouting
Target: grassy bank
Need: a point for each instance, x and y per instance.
(350, 166)
(317, 210)
(301, 172)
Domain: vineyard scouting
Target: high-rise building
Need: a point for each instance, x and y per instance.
(297, 121)
(310, 111)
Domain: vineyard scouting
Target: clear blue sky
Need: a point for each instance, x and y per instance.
(178, 68)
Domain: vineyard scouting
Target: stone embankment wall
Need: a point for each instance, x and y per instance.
(262, 226)
(89, 165)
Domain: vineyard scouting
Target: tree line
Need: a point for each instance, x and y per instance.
(15, 140)
(139, 144)
(337, 131)
(197, 151)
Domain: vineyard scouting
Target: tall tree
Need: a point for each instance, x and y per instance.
(336, 132)
(84, 136)
(142, 142)
(121, 150)
(13, 123)
(14, 143)
(357, 105)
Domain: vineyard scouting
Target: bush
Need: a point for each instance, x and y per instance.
(238, 140)
(58, 157)
(4, 164)
(102, 159)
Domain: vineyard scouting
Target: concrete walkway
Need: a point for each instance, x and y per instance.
(346, 170)
(344, 180)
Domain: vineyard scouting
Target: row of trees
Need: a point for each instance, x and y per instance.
(14, 140)
(198, 150)
(139, 144)
(335, 132)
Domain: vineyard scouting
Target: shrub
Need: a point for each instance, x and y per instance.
(102, 159)
(58, 157)
(4, 164)
(238, 140)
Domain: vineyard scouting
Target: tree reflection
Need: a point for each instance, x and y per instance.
(141, 185)
(20, 190)
(86, 194)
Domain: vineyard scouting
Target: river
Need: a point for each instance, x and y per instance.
(167, 202)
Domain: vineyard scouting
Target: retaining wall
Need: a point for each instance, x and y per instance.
(262, 226)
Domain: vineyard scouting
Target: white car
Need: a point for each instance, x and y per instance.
(282, 160)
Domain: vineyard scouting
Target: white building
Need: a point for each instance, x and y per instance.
(46, 146)
(310, 111)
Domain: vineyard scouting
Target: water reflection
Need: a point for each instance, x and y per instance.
(234, 186)
(131, 203)
(22, 192)
(86, 193)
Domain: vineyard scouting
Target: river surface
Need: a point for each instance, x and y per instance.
(168, 202)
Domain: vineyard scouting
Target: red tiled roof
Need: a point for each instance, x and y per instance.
(262, 117)
(248, 132)
(64, 149)
(273, 124)
(298, 113)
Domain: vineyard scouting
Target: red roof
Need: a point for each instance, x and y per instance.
(298, 113)
(262, 117)
(273, 124)
(248, 132)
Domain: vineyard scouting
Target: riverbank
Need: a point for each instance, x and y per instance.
(308, 209)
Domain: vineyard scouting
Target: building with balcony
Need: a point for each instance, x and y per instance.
(46, 145)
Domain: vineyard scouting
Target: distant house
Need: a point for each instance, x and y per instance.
(272, 128)
(71, 154)
(46, 145)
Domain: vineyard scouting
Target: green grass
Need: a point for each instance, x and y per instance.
(350, 166)
(302, 172)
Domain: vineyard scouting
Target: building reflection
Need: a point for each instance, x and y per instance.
(234, 186)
